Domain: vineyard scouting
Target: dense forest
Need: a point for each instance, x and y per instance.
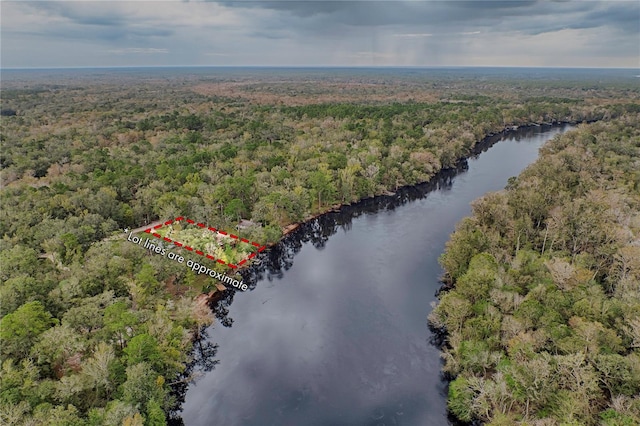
(97, 331)
(542, 315)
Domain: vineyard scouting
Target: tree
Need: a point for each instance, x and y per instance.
(97, 370)
(20, 289)
(58, 416)
(155, 415)
(321, 184)
(20, 329)
(235, 209)
(56, 345)
(135, 420)
(479, 278)
(18, 260)
(465, 242)
(19, 383)
(273, 208)
(143, 384)
(120, 321)
(145, 285)
(72, 247)
(14, 413)
(116, 412)
(89, 314)
(143, 348)
(460, 400)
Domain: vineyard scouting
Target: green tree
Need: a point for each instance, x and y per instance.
(58, 415)
(89, 314)
(120, 321)
(21, 289)
(19, 383)
(20, 329)
(147, 282)
(321, 185)
(460, 400)
(155, 415)
(143, 348)
(72, 249)
(143, 384)
(235, 209)
(18, 260)
(56, 345)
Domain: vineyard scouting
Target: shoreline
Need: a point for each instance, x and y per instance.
(213, 298)
(291, 229)
(477, 148)
(447, 339)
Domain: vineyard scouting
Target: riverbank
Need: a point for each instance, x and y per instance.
(517, 322)
(480, 146)
(339, 318)
(221, 295)
(95, 158)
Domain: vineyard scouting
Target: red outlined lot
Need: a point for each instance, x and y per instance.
(153, 232)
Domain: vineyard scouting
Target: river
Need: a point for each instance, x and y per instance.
(334, 328)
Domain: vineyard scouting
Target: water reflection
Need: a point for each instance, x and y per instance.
(342, 337)
(317, 231)
(203, 361)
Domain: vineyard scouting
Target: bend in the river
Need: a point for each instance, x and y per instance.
(334, 330)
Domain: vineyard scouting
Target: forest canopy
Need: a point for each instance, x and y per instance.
(97, 331)
(543, 315)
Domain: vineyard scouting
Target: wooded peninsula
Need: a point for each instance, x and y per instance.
(542, 318)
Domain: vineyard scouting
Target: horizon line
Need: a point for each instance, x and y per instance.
(315, 66)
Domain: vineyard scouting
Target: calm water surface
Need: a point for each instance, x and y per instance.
(334, 329)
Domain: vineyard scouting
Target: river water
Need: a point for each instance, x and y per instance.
(333, 330)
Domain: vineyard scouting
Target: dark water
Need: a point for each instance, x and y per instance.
(334, 330)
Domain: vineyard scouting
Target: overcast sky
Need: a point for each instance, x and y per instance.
(318, 33)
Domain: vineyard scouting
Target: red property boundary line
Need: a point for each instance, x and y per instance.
(214, 230)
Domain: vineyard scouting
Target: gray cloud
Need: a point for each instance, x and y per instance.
(386, 11)
(310, 32)
(87, 20)
(81, 14)
(104, 33)
(546, 16)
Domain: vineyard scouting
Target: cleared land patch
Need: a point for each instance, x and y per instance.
(212, 243)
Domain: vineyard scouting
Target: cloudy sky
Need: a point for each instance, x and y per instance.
(320, 33)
